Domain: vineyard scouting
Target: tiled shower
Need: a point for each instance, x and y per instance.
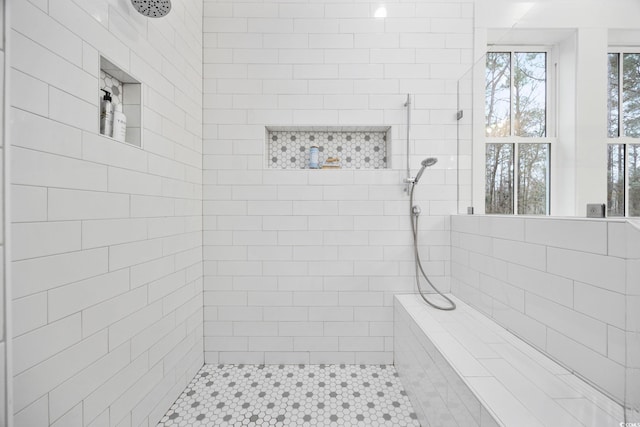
(300, 265)
(202, 240)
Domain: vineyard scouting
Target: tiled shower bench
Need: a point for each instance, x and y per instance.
(460, 368)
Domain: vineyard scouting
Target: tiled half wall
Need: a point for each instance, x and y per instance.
(560, 284)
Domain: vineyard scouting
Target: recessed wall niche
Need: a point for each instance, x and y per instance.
(126, 91)
(340, 147)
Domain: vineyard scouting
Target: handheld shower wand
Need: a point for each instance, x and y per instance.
(429, 161)
(414, 212)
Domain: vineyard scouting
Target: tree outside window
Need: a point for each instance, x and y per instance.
(516, 114)
(623, 128)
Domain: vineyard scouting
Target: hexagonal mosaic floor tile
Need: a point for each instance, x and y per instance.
(293, 395)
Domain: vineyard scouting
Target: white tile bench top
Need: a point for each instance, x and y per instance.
(516, 383)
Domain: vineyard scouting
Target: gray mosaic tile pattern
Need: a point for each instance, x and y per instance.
(293, 395)
(113, 85)
(355, 149)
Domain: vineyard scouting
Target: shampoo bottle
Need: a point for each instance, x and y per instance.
(314, 154)
(119, 124)
(106, 114)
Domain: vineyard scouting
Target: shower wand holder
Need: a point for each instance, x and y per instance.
(428, 162)
(408, 182)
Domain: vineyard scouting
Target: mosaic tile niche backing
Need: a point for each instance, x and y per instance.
(289, 149)
(113, 85)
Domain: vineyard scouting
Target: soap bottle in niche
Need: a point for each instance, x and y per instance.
(106, 114)
(314, 155)
(119, 124)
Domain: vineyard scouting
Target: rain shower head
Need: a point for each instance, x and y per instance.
(429, 161)
(152, 8)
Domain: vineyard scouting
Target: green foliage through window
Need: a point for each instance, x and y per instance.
(498, 94)
(516, 107)
(634, 179)
(631, 94)
(623, 122)
(533, 160)
(613, 104)
(615, 180)
(499, 179)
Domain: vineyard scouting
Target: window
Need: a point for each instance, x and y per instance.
(623, 120)
(517, 146)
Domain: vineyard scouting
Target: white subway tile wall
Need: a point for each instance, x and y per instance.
(107, 264)
(628, 239)
(559, 284)
(318, 255)
(4, 416)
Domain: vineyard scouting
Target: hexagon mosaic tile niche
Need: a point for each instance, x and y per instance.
(113, 85)
(289, 149)
(126, 91)
(293, 395)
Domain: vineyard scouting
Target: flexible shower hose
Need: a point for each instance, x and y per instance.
(418, 262)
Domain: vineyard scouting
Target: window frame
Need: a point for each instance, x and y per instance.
(550, 118)
(621, 139)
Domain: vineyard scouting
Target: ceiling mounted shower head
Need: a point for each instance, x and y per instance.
(152, 8)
